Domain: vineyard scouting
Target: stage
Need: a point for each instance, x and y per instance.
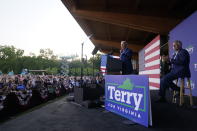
(61, 115)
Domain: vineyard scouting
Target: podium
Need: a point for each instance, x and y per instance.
(110, 65)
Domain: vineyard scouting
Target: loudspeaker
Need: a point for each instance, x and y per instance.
(95, 50)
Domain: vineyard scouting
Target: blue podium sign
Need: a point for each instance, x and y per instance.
(128, 96)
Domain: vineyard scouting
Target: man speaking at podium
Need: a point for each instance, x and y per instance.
(125, 57)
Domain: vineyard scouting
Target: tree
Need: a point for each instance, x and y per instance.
(96, 60)
(12, 58)
(8, 52)
(64, 64)
(8, 57)
(47, 54)
(52, 71)
(75, 66)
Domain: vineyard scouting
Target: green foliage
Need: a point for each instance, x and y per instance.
(8, 58)
(75, 66)
(47, 54)
(52, 71)
(96, 60)
(12, 59)
(10, 52)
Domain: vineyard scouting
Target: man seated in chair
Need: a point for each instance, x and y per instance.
(180, 69)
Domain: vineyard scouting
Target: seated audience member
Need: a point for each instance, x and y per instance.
(165, 65)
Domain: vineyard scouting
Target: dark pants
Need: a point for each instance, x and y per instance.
(166, 82)
(127, 68)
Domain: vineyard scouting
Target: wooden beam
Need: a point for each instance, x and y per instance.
(108, 31)
(111, 44)
(70, 4)
(85, 26)
(152, 24)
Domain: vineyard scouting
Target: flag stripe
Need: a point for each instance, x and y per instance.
(153, 88)
(154, 80)
(153, 47)
(152, 67)
(152, 42)
(153, 58)
(155, 62)
(152, 55)
(147, 72)
(154, 75)
(154, 84)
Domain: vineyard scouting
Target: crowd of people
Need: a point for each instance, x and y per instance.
(27, 87)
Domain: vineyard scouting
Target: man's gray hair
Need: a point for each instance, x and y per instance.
(178, 42)
(124, 42)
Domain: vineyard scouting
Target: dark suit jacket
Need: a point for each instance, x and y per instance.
(125, 57)
(180, 65)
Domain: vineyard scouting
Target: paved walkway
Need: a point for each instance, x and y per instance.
(65, 116)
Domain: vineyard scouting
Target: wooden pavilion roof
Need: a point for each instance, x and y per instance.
(136, 21)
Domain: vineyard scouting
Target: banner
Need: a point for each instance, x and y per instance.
(128, 96)
(186, 32)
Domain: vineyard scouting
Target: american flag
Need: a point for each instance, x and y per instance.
(150, 58)
(103, 67)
